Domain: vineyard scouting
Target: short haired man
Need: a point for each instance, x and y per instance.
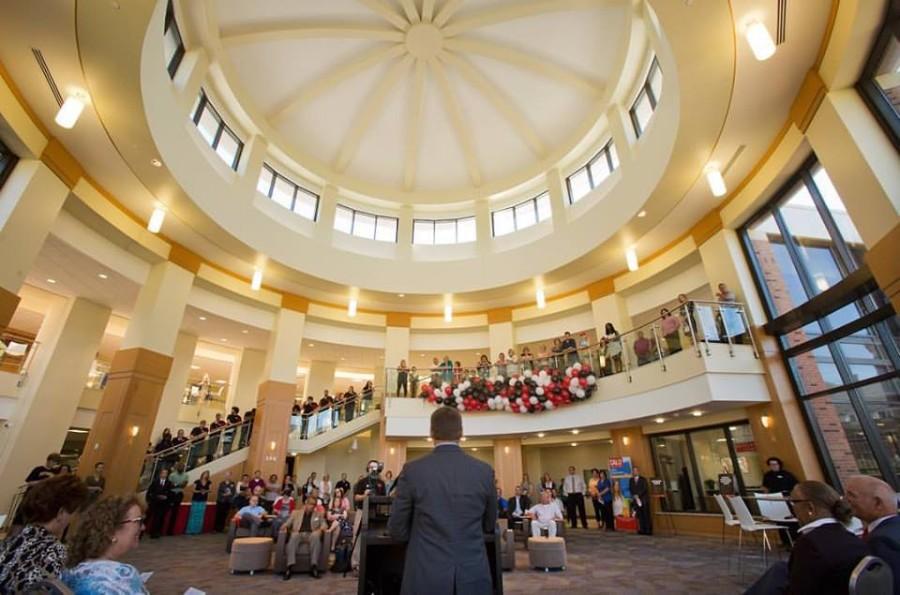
(575, 490)
(875, 503)
(544, 515)
(518, 506)
(51, 468)
(253, 515)
(307, 524)
(343, 484)
(369, 484)
(158, 494)
(179, 479)
(443, 524)
(776, 480)
(640, 499)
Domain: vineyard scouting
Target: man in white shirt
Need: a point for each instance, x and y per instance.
(575, 489)
(544, 516)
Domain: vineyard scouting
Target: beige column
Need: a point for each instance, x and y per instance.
(327, 209)
(275, 396)
(319, 378)
(607, 306)
(30, 199)
(173, 391)
(501, 334)
(396, 339)
(247, 375)
(559, 198)
(138, 374)
(483, 227)
(68, 341)
(508, 466)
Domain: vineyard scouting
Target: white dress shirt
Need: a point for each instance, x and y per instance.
(574, 484)
(545, 513)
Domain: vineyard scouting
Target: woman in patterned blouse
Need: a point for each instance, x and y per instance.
(108, 530)
(36, 552)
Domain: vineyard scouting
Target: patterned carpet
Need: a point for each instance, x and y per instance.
(597, 563)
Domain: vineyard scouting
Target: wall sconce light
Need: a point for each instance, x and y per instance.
(256, 281)
(626, 440)
(766, 421)
(135, 430)
(506, 450)
(392, 450)
(631, 259)
(351, 307)
(448, 313)
(541, 298)
(272, 445)
(156, 220)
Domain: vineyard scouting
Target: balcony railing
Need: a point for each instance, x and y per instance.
(16, 354)
(694, 325)
(196, 452)
(325, 419)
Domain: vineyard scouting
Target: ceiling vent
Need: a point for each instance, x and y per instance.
(781, 29)
(42, 64)
(733, 159)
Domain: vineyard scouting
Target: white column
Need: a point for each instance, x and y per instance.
(285, 340)
(173, 392)
(189, 78)
(404, 233)
(483, 228)
(67, 343)
(327, 207)
(251, 165)
(247, 374)
(396, 346)
(610, 308)
(556, 188)
(319, 378)
(159, 309)
(501, 337)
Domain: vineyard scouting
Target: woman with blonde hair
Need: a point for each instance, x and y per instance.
(107, 531)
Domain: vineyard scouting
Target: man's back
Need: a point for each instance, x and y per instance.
(444, 504)
(884, 542)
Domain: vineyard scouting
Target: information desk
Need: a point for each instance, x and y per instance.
(382, 557)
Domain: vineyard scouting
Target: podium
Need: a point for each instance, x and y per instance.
(382, 557)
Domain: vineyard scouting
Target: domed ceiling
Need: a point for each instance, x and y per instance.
(442, 100)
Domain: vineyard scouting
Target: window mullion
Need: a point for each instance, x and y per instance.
(845, 260)
(791, 247)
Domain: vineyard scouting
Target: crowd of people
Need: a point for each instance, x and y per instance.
(331, 410)
(202, 444)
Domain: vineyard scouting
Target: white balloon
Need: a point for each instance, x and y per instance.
(577, 365)
(539, 391)
(548, 405)
(580, 392)
(592, 380)
(568, 371)
(533, 400)
(523, 410)
(461, 407)
(542, 373)
(499, 379)
(512, 381)
(519, 401)
(455, 392)
(459, 399)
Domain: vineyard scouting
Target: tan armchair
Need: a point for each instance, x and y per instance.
(526, 530)
(303, 563)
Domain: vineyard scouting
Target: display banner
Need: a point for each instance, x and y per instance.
(620, 471)
(732, 321)
(707, 322)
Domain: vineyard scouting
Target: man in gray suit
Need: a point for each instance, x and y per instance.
(443, 505)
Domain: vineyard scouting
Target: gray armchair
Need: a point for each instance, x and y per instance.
(526, 530)
(507, 546)
(303, 563)
(235, 531)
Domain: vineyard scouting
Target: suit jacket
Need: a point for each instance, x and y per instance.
(444, 503)
(639, 488)
(884, 542)
(159, 494)
(524, 503)
(822, 560)
(317, 520)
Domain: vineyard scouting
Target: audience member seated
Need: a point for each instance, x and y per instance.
(875, 503)
(338, 515)
(517, 506)
(273, 491)
(502, 504)
(257, 481)
(108, 530)
(544, 515)
(776, 480)
(252, 516)
(826, 552)
(305, 525)
(282, 509)
(36, 552)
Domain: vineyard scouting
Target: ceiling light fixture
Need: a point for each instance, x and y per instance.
(203, 318)
(448, 313)
(760, 41)
(765, 420)
(155, 162)
(51, 281)
(715, 180)
(310, 344)
(70, 111)
(631, 259)
(642, 214)
(822, 283)
(195, 367)
(156, 220)
(351, 308)
(401, 295)
(660, 420)
(575, 431)
(256, 281)
(540, 298)
(245, 331)
(541, 434)
(574, 444)
(696, 413)
(223, 340)
(103, 276)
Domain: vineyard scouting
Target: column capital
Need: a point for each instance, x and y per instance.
(399, 319)
(297, 303)
(185, 258)
(601, 288)
(498, 315)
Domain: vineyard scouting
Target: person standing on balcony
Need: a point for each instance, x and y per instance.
(724, 294)
(526, 360)
(402, 379)
(199, 444)
(642, 348)
(670, 325)
(179, 479)
(309, 407)
(233, 419)
(687, 315)
(500, 364)
(215, 434)
(447, 370)
(570, 348)
(414, 382)
(165, 441)
(557, 353)
(350, 398)
(484, 367)
(613, 349)
(512, 363)
(368, 393)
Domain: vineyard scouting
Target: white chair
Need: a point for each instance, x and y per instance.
(748, 524)
(728, 519)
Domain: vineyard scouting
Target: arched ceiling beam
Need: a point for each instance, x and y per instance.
(280, 31)
(309, 91)
(427, 10)
(500, 101)
(447, 10)
(525, 61)
(374, 104)
(460, 126)
(386, 12)
(409, 7)
(514, 11)
(414, 131)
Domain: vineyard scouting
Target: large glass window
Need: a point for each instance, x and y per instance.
(648, 97)
(173, 45)
(287, 193)
(592, 174)
(8, 160)
(444, 231)
(692, 464)
(365, 225)
(216, 132)
(879, 84)
(841, 348)
(520, 216)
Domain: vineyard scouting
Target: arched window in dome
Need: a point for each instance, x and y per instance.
(216, 132)
(8, 160)
(592, 174)
(521, 216)
(647, 99)
(444, 231)
(173, 44)
(288, 194)
(365, 225)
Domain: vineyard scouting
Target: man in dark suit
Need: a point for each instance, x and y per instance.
(158, 495)
(875, 503)
(640, 500)
(518, 505)
(444, 503)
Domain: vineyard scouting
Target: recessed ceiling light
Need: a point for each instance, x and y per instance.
(642, 214)
(103, 275)
(660, 420)
(343, 359)
(310, 344)
(401, 295)
(474, 448)
(195, 367)
(244, 332)
(51, 281)
(223, 340)
(203, 318)
(155, 162)
(541, 434)
(574, 444)
(575, 431)
(696, 413)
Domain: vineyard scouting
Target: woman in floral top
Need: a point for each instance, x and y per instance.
(36, 552)
(108, 530)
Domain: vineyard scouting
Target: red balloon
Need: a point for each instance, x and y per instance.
(448, 391)
(583, 382)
